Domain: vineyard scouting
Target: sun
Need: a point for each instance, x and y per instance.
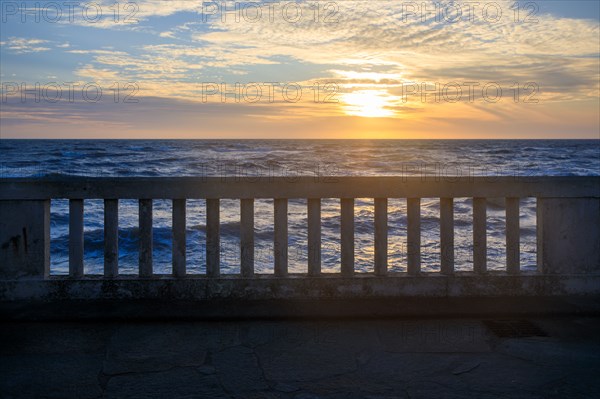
(368, 103)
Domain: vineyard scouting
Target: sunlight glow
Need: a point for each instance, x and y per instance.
(368, 103)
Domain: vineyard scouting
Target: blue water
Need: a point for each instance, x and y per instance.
(35, 158)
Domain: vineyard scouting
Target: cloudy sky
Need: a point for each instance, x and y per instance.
(317, 69)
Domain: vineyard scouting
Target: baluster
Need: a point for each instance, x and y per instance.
(146, 239)
(178, 226)
(247, 237)
(111, 237)
(76, 238)
(347, 236)
(479, 235)
(413, 235)
(280, 244)
(381, 236)
(314, 236)
(513, 251)
(447, 235)
(213, 239)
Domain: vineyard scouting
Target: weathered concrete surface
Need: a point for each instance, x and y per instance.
(301, 287)
(24, 239)
(301, 187)
(568, 235)
(396, 358)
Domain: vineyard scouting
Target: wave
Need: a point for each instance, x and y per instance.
(499, 152)
(78, 158)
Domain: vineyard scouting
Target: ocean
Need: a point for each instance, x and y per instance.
(263, 158)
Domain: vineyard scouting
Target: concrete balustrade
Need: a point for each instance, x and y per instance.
(568, 238)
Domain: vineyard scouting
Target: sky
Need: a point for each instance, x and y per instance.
(300, 69)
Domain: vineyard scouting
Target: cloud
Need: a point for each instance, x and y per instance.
(361, 46)
(368, 48)
(20, 45)
(560, 54)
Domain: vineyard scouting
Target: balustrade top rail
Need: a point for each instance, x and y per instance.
(235, 187)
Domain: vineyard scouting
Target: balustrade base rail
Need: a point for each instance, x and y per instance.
(293, 287)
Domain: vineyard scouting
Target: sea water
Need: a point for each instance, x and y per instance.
(247, 159)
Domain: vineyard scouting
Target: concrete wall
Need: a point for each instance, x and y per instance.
(24, 239)
(568, 235)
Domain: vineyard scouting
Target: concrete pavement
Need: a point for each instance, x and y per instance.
(393, 358)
